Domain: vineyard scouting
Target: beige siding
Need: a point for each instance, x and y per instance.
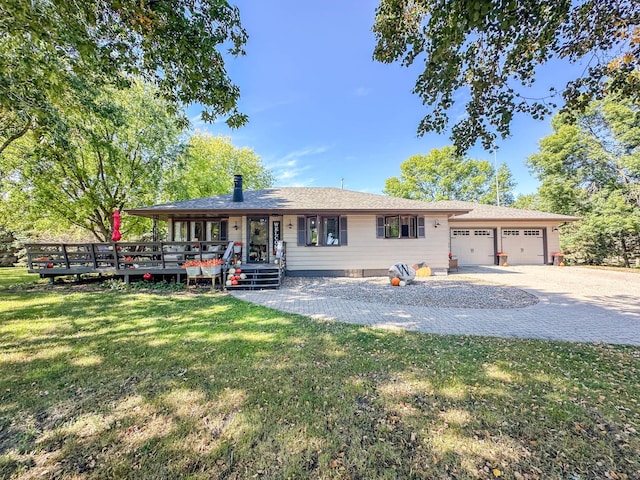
(365, 251)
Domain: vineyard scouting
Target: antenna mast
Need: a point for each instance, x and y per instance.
(495, 161)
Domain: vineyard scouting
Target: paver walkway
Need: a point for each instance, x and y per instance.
(576, 305)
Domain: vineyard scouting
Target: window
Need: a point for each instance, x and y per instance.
(532, 233)
(331, 230)
(391, 227)
(400, 226)
(315, 230)
(312, 231)
(180, 231)
(511, 233)
(461, 233)
(482, 233)
(185, 231)
(217, 230)
(198, 231)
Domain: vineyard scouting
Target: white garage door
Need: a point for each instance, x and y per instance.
(525, 246)
(473, 246)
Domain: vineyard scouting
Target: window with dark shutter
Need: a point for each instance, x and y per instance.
(224, 228)
(302, 231)
(380, 227)
(343, 230)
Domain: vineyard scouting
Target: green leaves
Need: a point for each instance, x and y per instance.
(177, 45)
(110, 154)
(590, 167)
(487, 52)
(208, 165)
(444, 175)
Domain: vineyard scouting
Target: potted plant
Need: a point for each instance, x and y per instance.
(502, 258)
(193, 267)
(453, 262)
(237, 247)
(211, 267)
(558, 258)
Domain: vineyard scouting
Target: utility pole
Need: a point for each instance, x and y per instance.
(495, 161)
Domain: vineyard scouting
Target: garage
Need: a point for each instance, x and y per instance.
(525, 246)
(474, 246)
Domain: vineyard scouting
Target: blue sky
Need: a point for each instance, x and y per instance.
(322, 113)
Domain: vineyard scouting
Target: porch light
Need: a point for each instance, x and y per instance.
(436, 223)
(290, 225)
(235, 226)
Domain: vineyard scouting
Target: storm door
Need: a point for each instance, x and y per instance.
(258, 239)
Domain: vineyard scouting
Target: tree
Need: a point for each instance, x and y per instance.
(591, 168)
(51, 49)
(443, 174)
(110, 154)
(208, 165)
(487, 52)
(504, 185)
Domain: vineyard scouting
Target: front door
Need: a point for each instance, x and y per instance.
(258, 229)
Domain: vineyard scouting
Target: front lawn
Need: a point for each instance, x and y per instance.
(112, 384)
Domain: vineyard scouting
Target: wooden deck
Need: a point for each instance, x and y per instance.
(132, 260)
(121, 259)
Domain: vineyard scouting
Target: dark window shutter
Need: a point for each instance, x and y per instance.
(379, 227)
(223, 230)
(343, 230)
(302, 231)
(421, 231)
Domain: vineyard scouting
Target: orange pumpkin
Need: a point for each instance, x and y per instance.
(395, 281)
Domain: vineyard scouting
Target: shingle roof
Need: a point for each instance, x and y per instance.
(328, 199)
(479, 211)
(297, 199)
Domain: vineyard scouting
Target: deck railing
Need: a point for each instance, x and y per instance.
(50, 259)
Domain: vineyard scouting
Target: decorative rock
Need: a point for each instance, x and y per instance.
(402, 271)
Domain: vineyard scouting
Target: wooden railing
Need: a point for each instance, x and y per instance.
(58, 258)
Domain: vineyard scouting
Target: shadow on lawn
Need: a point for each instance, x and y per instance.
(137, 386)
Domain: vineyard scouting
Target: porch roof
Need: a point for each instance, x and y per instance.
(296, 200)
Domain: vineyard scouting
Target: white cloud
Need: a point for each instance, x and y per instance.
(289, 168)
(362, 91)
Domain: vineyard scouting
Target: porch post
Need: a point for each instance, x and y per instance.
(154, 231)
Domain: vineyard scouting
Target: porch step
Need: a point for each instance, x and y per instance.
(258, 277)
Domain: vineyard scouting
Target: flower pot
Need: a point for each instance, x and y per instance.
(502, 260)
(211, 271)
(237, 249)
(193, 271)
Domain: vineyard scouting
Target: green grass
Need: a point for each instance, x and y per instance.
(11, 277)
(108, 384)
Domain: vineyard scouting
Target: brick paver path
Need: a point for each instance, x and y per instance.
(576, 305)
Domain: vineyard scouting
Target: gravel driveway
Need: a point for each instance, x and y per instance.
(546, 302)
